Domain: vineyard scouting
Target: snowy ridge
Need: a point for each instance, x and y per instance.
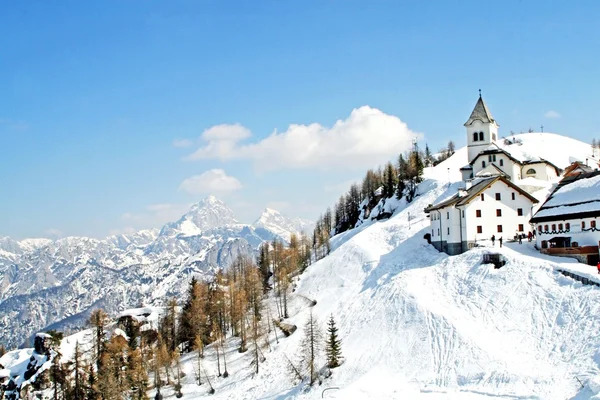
(275, 222)
(58, 282)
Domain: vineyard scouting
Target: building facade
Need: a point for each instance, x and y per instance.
(491, 207)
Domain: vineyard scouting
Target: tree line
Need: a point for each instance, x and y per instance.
(399, 179)
(231, 304)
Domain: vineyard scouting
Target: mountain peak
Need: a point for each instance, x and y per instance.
(282, 226)
(208, 213)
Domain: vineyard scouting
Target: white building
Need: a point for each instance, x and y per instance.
(491, 206)
(487, 158)
(568, 223)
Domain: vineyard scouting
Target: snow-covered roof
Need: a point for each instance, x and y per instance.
(481, 113)
(580, 195)
(463, 197)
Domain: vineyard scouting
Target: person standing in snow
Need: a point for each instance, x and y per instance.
(493, 240)
(520, 239)
(529, 236)
(500, 240)
(598, 267)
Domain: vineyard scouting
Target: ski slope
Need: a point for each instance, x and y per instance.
(419, 324)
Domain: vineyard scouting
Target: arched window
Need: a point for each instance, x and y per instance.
(480, 136)
(483, 164)
(531, 171)
(474, 136)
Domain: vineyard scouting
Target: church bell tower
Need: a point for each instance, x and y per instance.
(482, 129)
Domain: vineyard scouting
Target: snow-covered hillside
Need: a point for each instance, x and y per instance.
(416, 323)
(55, 283)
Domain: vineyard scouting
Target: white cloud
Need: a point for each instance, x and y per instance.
(182, 143)
(211, 181)
(552, 114)
(367, 137)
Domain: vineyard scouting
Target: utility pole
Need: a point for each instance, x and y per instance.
(542, 128)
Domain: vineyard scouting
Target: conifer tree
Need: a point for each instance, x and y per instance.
(450, 148)
(311, 347)
(98, 320)
(333, 346)
(137, 376)
(428, 156)
(390, 180)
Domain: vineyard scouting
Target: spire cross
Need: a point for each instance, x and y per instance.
(480, 93)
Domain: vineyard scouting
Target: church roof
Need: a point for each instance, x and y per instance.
(481, 113)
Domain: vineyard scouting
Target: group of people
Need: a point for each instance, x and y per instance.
(494, 240)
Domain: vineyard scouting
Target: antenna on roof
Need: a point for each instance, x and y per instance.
(479, 93)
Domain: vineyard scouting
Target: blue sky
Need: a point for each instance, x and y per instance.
(96, 94)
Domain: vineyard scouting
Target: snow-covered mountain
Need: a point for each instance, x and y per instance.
(273, 221)
(57, 282)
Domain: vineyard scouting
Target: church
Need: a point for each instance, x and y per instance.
(495, 201)
(487, 157)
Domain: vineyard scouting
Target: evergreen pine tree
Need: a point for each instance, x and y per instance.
(428, 157)
(333, 346)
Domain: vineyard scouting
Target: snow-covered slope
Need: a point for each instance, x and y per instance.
(416, 323)
(56, 283)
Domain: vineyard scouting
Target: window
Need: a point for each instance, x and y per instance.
(481, 196)
(432, 233)
(553, 227)
(483, 164)
(499, 228)
(560, 227)
(498, 197)
(479, 229)
(530, 171)
(512, 195)
(498, 213)
(567, 226)
(501, 162)
(494, 157)
(521, 228)
(593, 224)
(474, 136)
(447, 214)
(582, 224)
(519, 211)
(540, 228)
(463, 213)
(448, 230)
(438, 231)
(478, 213)
(480, 136)
(545, 228)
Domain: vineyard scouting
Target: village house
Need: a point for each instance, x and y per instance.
(491, 206)
(568, 223)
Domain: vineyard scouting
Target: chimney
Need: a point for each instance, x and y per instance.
(468, 184)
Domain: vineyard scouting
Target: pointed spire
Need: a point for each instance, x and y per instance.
(481, 113)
